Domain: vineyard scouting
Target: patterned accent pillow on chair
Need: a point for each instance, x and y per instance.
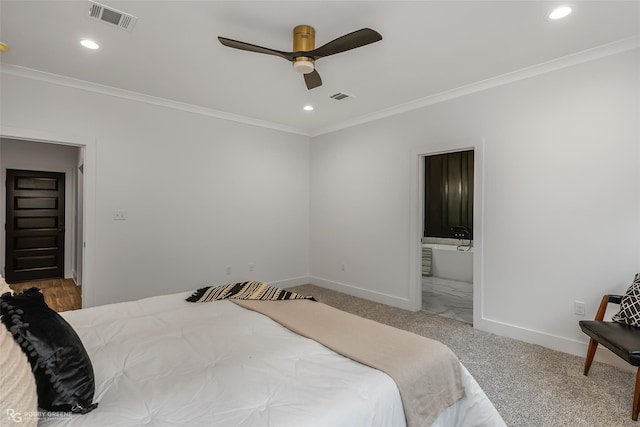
(630, 305)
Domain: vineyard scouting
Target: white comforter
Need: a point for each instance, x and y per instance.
(163, 361)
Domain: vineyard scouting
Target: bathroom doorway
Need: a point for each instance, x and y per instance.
(447, 234)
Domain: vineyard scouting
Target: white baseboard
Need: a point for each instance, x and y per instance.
(554, 342)
(363, 293)
(294, 281)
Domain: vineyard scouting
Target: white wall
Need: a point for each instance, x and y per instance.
(559, 187)
(49, 158)
(199, 193)
(560, 197)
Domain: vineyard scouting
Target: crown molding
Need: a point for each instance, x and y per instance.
(522, 74)
(56, 79)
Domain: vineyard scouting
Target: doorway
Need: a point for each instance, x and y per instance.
(35, 225)
(448, 235)
(23, 154)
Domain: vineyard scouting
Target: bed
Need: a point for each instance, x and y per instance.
(163, 361)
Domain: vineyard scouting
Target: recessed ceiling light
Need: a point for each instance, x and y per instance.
(560, 12)
(89, 44)
(308, 108)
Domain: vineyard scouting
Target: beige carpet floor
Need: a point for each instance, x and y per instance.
(528, 384)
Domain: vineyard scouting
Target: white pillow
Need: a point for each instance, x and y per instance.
(18, 395)
(4, 287)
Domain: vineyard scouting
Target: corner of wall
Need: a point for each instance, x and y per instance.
(288, 283)
(363, 293)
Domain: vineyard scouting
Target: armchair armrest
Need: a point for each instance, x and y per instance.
(615, 299)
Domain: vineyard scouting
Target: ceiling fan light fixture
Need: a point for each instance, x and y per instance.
(303, 65)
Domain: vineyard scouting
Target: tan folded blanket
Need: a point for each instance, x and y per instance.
(426, 371)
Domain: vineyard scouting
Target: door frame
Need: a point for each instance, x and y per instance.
(416, 222)
(89, 146)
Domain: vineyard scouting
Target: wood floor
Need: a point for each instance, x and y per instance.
(59, 294)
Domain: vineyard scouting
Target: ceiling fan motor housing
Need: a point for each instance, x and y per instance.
(304, 38)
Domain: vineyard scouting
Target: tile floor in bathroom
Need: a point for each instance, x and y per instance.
(448, 298)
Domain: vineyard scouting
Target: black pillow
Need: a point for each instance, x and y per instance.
(60, 363)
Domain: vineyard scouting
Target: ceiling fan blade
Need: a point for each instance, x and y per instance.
(254, 48)
(349, 41)
(312, 79)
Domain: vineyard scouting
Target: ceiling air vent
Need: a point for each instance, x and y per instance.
(111, 16)
(340, 96)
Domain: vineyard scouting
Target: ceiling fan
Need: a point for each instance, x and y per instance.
(304, 52)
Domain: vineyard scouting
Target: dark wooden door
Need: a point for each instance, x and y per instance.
(34, 226)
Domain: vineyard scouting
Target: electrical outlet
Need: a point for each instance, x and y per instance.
(342, 266)
(119, 215)
(578, 308)
(252, 266)
(227, 269)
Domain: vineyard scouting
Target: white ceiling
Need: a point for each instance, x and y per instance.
(428, 48)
